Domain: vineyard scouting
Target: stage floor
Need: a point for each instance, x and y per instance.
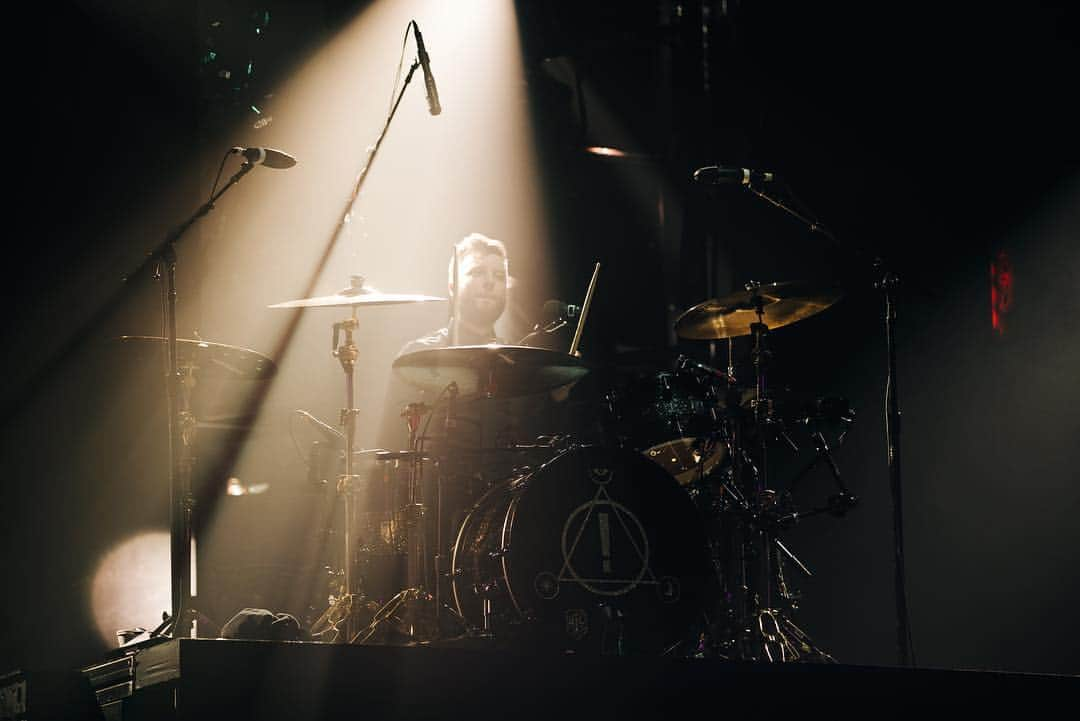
(217, 678)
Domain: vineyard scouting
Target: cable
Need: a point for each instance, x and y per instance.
(434, 407)
(401, 63)
(218, 178)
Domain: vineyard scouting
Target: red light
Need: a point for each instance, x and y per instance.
(1001, 291)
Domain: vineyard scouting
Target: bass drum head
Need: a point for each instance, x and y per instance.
(599, 550)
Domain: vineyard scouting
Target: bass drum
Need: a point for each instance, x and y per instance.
(598, 550)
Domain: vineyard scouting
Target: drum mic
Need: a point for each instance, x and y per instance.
(271, 158)
(723, 175)
(555, 314)
(685, 363)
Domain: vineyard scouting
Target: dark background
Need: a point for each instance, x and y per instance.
(934, 137)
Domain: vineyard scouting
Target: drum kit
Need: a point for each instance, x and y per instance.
(658, 536)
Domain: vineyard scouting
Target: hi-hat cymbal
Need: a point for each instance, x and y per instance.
(211, 360)
(493, 371)
(733, 315)
(357, 294)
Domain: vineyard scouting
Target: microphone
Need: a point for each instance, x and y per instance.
(555, 314)
(556, 310)
(429, 80)
(723, 175)
(684, 363)
(269, 157)
(333, 435)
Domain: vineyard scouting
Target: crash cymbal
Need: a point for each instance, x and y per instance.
(211, 360)
(733, 315)
(357, 294)
(493, 371)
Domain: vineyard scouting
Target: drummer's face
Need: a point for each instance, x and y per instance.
(483, 287)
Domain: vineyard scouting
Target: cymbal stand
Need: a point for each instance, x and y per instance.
(761, 357)
(342, 605)
(767, 632)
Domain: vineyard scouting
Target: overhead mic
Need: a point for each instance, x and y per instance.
(429, 80)
(724, 175)
(269, 157)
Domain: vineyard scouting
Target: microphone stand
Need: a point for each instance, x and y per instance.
(341, 608)
(886, 281)
(372, 151)
(181, 501)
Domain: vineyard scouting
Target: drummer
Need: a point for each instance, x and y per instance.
(483, 285)
(472, 445)
(483, 280)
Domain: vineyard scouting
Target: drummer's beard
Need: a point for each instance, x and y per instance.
(480, 312)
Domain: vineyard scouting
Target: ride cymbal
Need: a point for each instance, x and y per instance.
(733, 315)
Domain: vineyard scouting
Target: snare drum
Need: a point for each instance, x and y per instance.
(598, 550)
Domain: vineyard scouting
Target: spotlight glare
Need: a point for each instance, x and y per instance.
(131, 586)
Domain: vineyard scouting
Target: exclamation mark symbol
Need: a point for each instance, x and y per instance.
(605, 541)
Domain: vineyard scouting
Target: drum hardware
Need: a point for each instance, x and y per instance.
(759, 628)
(357, 294)
(190, 362)
(344, 605)
(686, 363)
(675, 418)
(415, 614)
(822, 453)
(885, 281)
(489, 371)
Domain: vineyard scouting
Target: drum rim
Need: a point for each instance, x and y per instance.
(508, 518)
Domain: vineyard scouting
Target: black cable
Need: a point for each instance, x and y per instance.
(219, 171)
(427, 423)
(401, 64)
